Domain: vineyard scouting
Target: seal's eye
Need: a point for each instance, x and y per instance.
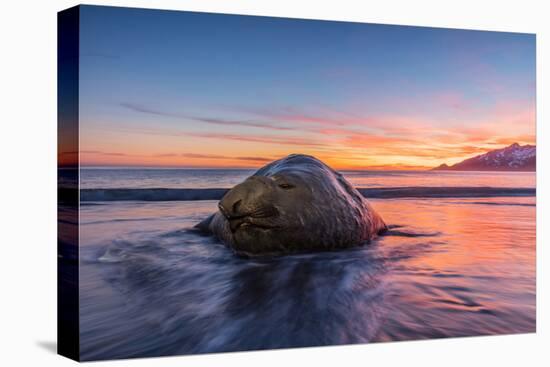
(286, 186)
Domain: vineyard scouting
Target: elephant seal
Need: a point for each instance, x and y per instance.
(294, 204)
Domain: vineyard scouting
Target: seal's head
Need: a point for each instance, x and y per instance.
(294, 204)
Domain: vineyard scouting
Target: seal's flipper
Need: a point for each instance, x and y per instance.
(394, 226)
(204, 225)
(392, 232)
(383, 231)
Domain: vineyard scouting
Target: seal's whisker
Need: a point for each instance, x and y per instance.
(263, 212)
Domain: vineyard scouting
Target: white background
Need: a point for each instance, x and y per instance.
(28, 179)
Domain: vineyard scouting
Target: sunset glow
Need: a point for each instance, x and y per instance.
(206, 90)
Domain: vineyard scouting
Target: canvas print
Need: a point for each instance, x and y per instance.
(236, 183)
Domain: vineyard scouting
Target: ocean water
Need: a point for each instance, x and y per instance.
(457, 265)
(132, 178)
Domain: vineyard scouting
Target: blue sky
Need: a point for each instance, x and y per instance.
(196, 89)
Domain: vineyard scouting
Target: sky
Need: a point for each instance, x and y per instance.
(183, 89)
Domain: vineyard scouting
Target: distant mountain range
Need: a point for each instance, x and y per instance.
(512, 158)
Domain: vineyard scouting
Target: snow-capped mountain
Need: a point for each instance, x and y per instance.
(512, 158)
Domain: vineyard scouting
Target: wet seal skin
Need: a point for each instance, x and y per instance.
(294, 204)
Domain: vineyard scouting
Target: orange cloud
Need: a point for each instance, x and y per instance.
(99, 158)
(345, 140)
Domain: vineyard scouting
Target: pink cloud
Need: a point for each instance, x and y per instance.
(284, 140)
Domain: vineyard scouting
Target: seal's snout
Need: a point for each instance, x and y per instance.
(241, 200)
(230, 211)
(232, 204)
(248, 204)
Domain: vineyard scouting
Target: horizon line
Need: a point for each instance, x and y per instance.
(366, 168)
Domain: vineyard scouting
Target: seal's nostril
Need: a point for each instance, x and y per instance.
(236, 206)
(223, 210)
(234, 212)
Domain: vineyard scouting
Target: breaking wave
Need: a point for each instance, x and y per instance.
(163, 194)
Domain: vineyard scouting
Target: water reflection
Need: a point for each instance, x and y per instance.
(467, 269)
